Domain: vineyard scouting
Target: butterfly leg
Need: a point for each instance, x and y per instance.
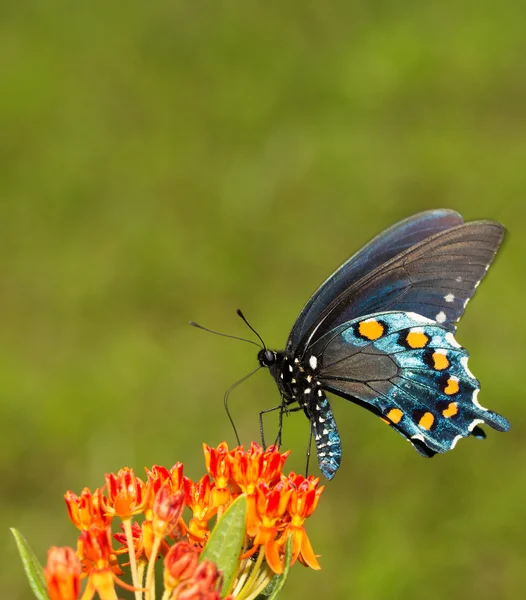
(262, 429)
(307, 461)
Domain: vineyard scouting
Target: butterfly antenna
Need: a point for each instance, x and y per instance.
(233, 337)
(240, 314)
(227, 393)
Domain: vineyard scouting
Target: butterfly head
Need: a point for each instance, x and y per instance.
(267, 358)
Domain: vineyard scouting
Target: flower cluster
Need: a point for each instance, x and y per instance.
(277, 508)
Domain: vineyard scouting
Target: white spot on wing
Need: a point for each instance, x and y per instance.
(464, 363)
(474, 423)
(441, 317)
(321, 420)
(449, 297)
(455, 440)
(419, 437)
(418, 318)
(313, 362)
(450, 339)
(475, 400)
(458, 279)
(307, 391)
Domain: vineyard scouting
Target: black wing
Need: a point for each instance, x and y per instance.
(385, 246)
(434, 278)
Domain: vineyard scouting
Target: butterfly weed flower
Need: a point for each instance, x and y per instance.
(62, 573)
(226, 535)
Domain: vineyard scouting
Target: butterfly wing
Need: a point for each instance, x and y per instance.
(389, 243)
(434, 278)
(411, 372)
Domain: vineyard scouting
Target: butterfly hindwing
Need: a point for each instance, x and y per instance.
(410, 371)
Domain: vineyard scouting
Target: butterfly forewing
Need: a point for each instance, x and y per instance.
(389, 243)
(435, 278)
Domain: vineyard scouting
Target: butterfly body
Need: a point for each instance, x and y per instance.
(380, 332)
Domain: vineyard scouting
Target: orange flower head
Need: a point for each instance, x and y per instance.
(247, 468)
(267, 520)
(127, 494)
(304, 497)
(158, 476)
(87, 509)
(219, 465)
(62, 573)
(203, 585)
(167, 509)
(180, 564)
(303, 502)
(198, 499)
(94, 547)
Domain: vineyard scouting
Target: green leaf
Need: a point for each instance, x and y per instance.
(226, 540)
(34, 572)
(273, 589)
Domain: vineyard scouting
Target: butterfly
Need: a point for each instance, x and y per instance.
(380, 333)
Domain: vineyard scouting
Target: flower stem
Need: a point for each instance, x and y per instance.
(150, 574)
(261, 584)
(133, 562)
(247, 588)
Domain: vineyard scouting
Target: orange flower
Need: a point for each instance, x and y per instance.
(167, 509)
(247, 468)
(303, 502)
(218, 465)
(127, 494)
(158, 476)
(269, 522)
(204, 584)
(197, 497)
(94, 548)
(180, 564)
(87, 509)
(62, 574)
(277, 509)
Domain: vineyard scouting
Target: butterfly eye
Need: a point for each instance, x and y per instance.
(266, 357)
(270, 357)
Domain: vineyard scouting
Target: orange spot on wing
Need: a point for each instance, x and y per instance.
(426, 421)
(371, 330)
(385, 420)
(395, 415)
(440, 361)
(452, 387)
(416, 339)
(451, 410)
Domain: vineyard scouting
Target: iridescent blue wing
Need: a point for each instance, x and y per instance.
(409, 371)
(434, 278)
(389, 243)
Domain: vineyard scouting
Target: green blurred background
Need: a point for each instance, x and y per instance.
(168, 161)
